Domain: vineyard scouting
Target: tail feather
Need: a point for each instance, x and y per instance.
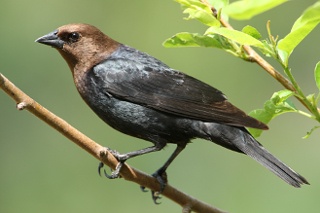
(255, 150)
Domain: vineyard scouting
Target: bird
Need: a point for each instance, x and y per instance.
(143, 97)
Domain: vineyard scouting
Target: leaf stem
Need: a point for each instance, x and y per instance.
(305, 114)
(312, 108)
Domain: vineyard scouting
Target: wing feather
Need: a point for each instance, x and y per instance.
(155, 85)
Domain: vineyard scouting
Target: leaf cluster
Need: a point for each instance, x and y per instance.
(219, 34)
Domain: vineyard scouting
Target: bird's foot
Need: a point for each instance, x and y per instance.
(161, 177)
(115, 173)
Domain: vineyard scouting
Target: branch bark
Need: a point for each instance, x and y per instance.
(23, 101)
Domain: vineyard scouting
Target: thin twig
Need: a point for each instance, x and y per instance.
(128, 173)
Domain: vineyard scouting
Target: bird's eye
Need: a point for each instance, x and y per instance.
(73, 37)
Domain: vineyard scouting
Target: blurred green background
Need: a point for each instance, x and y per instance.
(41, 171)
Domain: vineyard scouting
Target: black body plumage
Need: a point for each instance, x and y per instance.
(141, 96)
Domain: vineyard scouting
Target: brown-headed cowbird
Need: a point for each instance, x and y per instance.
(141, 96)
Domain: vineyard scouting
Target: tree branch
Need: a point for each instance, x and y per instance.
(23, 101)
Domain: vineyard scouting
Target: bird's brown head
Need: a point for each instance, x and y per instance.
(81, 45)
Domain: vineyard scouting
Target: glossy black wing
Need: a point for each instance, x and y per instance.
(147, 81)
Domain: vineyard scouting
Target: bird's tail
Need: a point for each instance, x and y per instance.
(240, 140)
(248, 145)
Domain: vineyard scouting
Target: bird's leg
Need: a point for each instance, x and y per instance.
(123, 157)
(161, 174)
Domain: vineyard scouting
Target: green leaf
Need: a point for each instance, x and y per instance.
(235, 35)
(261, 115)
(281, 96)
(246, 9)
(199, 11)
(268, 48)
(301, 28)
(317, 75)
(219, 5)
(251, 31)
(312, 99)
(186, 39)
(277, 105)
(284, 56)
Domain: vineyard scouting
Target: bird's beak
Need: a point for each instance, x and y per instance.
(51, 39)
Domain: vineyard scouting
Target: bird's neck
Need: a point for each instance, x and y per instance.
(71, 61)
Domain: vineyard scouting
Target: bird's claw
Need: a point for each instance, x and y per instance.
(100, 167)
(115, 173)
(115, 153)
(162, 179)
(155, 197)
(154, 194)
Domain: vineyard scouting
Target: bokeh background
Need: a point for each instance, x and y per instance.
(41, 171)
